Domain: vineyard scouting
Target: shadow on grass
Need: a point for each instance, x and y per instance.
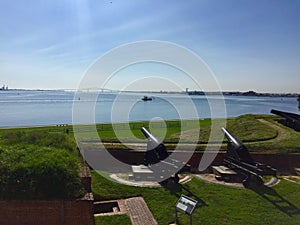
(277, 200)
(178, 189)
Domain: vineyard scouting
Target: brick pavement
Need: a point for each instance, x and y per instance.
(139, 212)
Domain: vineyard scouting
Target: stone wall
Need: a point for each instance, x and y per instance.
(284, 163)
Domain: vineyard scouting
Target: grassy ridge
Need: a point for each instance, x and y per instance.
(161, 129)
(257, 136)
(247, 128)
(288, 140)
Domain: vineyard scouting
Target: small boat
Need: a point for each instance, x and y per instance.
(146, 98)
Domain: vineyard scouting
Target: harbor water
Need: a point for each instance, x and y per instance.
(34, 108)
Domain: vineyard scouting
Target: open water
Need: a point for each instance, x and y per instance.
(33, 108)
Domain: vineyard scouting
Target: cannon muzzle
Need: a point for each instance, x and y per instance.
(236, 143)
(149, 136)
(236, 149)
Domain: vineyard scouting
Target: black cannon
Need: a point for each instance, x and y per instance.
(291, 120)
(239, 160)
(158, 160)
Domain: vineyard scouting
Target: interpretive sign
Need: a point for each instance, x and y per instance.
(187, 205)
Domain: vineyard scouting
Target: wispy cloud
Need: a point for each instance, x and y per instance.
(64, 37)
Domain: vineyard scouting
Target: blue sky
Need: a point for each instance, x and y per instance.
(249, 45)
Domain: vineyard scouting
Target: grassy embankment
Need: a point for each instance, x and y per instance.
(260, 133)
(37, 164)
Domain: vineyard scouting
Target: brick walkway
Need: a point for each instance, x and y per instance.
(139, 212)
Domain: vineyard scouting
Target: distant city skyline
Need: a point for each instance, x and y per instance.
(249, 45)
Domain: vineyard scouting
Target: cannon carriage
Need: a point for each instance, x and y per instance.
(238, 165)
(158, 163)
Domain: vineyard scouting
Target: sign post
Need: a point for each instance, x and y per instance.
(187, 205)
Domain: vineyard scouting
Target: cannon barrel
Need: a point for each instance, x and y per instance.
(156, 150)
(286, 114)
(149, 136)
(292, 120)
(236, 149)
(277, 112)
(236, 143)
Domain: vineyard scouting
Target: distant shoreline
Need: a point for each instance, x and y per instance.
(201, 93)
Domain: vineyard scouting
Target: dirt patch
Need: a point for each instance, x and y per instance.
(124, 179)
(209, 177)
(192, 134)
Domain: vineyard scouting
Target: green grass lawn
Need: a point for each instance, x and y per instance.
(217, 204)
(270, 137)
(246, 126)
(257, 136)
(114, 220)
(132, 132)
